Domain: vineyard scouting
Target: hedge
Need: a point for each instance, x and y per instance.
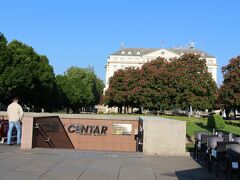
(216, 121)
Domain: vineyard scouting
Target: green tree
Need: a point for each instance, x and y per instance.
(45, 91)
(27, 75)
(81, 87)
(5, 58)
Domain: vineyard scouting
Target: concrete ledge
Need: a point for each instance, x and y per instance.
(79, 116)
(27, 133)
(186, 154)
(164, 136)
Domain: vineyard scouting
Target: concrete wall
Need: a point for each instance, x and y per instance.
(27, 133)
(109, 141)
(163, 136)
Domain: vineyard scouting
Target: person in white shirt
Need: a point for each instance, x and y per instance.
(15, 115)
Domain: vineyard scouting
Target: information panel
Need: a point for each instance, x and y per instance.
(122, 129)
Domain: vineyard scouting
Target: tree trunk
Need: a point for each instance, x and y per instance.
(235, 115)
(227, 111)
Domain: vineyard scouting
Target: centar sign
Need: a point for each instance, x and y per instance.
(88, 129)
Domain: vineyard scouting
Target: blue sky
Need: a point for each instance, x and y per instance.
(83, 33)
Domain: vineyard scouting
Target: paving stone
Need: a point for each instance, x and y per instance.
(66, 164)
(102, 169)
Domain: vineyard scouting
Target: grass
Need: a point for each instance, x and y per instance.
(193, 124)
(200, 124)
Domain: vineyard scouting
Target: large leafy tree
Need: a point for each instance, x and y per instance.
(81, 88)
(45, 90)
(178, 83)
(134, 88)
(230, 89)
(115, 94)
(193, 83)
(155, 85)
(5, 58)
(124, 89)
(26, 74)
(162, 84)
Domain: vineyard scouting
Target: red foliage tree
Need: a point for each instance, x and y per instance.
(123, 89)
(230, 90)
(193, 83)
(162, 84)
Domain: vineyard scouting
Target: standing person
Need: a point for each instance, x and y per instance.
(15, 115)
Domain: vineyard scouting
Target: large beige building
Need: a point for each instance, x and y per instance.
(136, 57)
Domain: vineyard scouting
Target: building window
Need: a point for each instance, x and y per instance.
(115, 67)
(210, 62)
(210, 70)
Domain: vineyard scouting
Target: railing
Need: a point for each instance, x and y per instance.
(49, 132)
(44, 135)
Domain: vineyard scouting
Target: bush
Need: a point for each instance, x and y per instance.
(216, 121)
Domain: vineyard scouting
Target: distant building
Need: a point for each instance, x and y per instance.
(136, 57)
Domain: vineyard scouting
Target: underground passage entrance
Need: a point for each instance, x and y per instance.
(109, 134)
(49, 132)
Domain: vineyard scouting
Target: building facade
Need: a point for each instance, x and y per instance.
(136, 57)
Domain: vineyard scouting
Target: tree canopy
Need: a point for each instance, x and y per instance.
(81, 88)
(195, 85)
(230, 89)
(124, 89)
(28, 75)
(162, 84)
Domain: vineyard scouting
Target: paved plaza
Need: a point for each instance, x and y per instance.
(51, 164)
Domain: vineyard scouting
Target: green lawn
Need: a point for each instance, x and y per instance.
(200, 124)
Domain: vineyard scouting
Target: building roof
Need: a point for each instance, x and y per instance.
(185, 50)
(144, 51)
(134, 51)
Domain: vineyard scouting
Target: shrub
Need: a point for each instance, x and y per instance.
(216, 121)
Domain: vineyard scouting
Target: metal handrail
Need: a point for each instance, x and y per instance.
(44, 135)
